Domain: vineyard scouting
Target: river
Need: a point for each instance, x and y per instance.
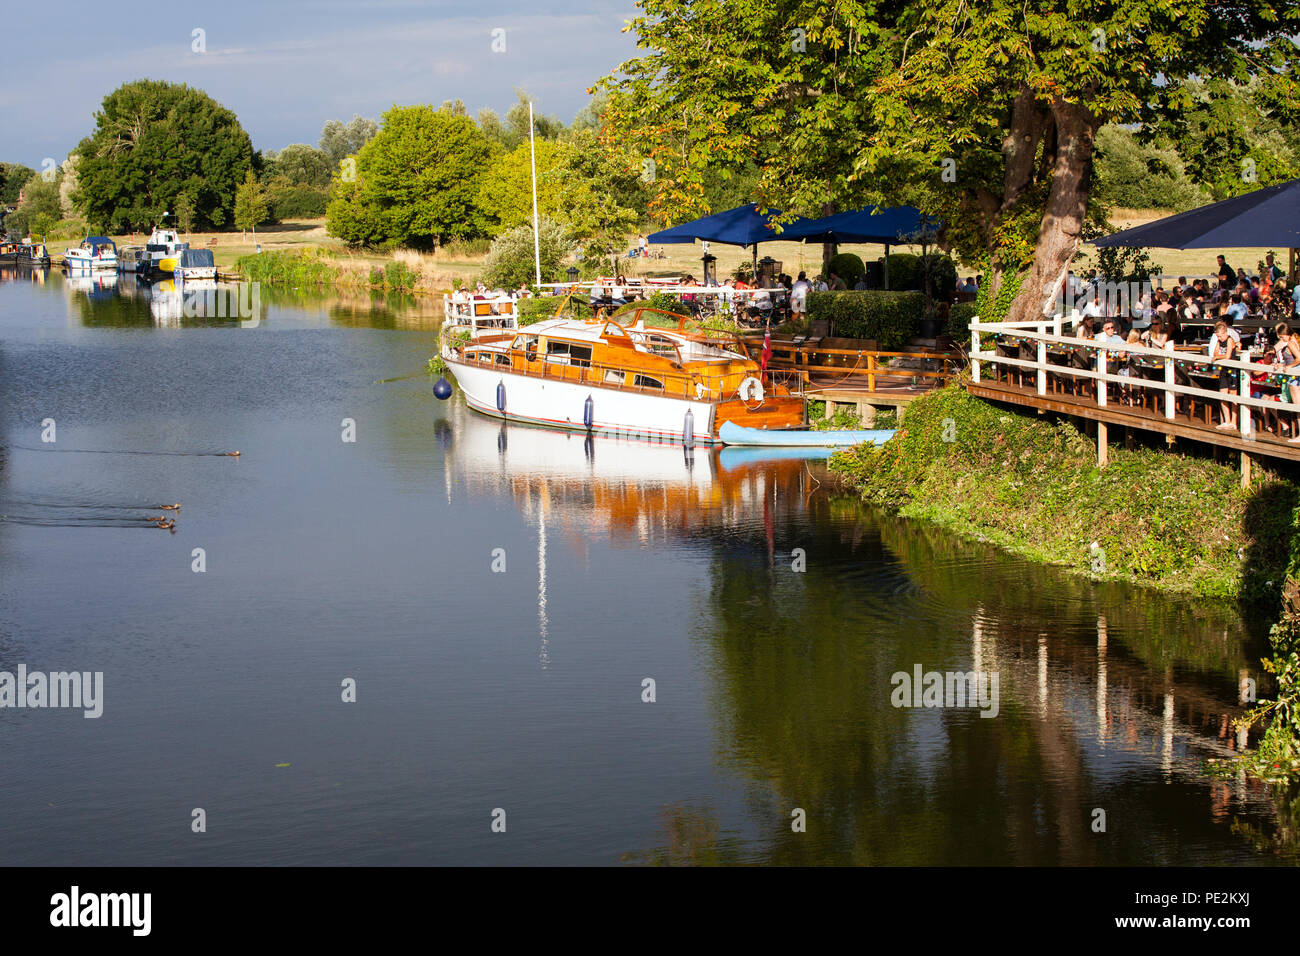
(614, 651)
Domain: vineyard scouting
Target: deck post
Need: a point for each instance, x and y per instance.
(871, 371)
(1103, 449)
(1246, 462)
(1244, 419)
(974, 351)
(1170, 397)
(1042, 361)
(1101, 384)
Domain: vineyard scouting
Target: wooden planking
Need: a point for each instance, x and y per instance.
(1134, 418)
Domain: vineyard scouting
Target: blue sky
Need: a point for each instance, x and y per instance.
(286, 67)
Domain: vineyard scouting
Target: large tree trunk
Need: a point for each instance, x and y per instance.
(1030, 122)
(1067, 204)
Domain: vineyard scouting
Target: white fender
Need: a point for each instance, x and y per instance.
(751, 390)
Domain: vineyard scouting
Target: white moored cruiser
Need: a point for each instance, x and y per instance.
(646, 373)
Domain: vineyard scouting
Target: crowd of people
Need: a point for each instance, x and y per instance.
(1162, 318)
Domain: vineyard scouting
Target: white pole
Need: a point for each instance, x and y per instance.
(537, 244)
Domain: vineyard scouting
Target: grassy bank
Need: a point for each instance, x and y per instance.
(1031, 486)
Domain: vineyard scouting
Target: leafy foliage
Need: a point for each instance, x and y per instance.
(152, 141)
(13, 177)
(891, 318)
(848, 267)
(339, 140)
(1139, 175)
(1033, 487)
(510, 261)
(417, 182)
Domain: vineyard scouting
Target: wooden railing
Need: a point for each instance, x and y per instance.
(1047, 339)
(866, 362)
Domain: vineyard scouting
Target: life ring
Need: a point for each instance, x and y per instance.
(751, 390)
(701, 390)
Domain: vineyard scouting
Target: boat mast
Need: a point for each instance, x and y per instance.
(532, 149)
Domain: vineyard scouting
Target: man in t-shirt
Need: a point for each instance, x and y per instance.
(1274, 272)
(1227, 274)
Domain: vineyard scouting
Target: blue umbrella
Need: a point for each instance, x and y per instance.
(743, 226)
(886, 225)
(1263, 218)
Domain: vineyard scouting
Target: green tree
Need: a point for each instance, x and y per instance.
(1236, 136)
(339, 140)
(299, 165)
(511, 263)
(250, 205)
(13, 177)
(600, 192)
(506, 190)
(515, 125)
(183, 208)
(1139, 175)
(152, 141)
(416, 182)
(38, 209)
(982, 112)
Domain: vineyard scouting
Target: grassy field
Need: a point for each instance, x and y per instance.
(445, 265)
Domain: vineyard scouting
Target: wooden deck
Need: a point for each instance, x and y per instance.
(1131, 416)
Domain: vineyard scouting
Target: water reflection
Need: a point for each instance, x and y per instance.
(1111, 699)
(626, 559)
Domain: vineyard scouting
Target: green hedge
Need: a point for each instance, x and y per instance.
(307, 202)
(891, 318)
(848, 267)
(959, 322)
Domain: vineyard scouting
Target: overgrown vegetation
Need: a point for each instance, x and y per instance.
(1032, 486)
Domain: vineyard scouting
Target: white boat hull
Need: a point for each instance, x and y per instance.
(101, 264)
(559, 404)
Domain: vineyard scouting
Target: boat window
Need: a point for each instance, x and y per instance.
(568, 353)
(659, 320)
(614, 378)
(645, 381)
(614, 330)
(503, 359)
(661, 346)
(527, 342)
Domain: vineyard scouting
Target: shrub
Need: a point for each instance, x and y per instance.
(903, 271)
(848, 267)
(399, 277)
(667, 302)
(540, 307)
(509, 263)
(959, 322)
(891, 318)
(299, 202)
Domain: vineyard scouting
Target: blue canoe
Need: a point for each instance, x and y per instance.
(733, 434)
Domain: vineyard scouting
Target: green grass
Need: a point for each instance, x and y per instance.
(1032, 486)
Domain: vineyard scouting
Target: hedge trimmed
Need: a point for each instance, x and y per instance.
(891, 318)
(848, 267)
(959, 322)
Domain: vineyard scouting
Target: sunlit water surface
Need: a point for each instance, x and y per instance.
(524, 689)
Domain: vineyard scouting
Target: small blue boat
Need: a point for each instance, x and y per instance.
(733, 434)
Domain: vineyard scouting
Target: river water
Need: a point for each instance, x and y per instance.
(520, 695)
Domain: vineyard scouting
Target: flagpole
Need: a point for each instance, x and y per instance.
(532, 149)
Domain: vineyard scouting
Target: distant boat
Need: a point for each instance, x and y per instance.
(195, 264)
(732, 434)
(95, 254)
(163, 251)
(132, 259)
(33, 254)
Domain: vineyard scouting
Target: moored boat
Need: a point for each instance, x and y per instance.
(195, 264)
(95, 254)
(131, 259)
(163, 251)
(652, 377)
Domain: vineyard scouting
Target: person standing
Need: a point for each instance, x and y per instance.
(1227, 274)
(799, 297)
